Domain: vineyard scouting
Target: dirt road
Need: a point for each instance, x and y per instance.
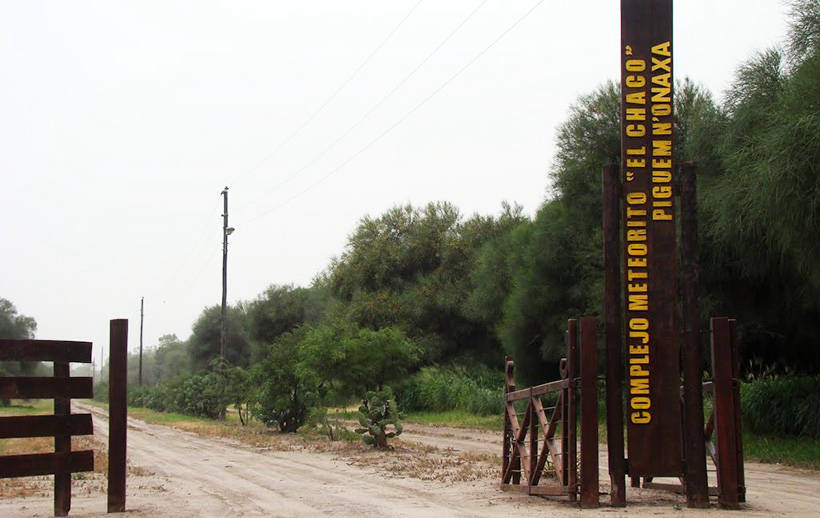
(179, 474)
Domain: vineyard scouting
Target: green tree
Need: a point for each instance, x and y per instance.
(283, 395)
(353, 360)
(203, 345)
(760, 214)
(409, 268)
(16, 327)
(281, 309)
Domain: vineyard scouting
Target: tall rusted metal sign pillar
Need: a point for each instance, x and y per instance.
(653, 414)
(649, 285)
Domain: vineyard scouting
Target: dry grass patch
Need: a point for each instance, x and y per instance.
(411, 460)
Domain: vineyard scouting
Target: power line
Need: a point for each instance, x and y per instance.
(405, 116)
(381, 101)
(332, 96)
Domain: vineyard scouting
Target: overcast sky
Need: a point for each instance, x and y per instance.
(121, 122)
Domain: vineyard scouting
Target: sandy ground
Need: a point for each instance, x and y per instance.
(179, 474)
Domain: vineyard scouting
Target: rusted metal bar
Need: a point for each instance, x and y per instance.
(538, 390)
(117, 413)
(62, 445)
(534, 421)
(589, 412)
(547, 450)
(741, 476)
(694, 448)
(45, 425)
(45, 463)
(725, 433)
(545, 490)
(26, 387)
(613, 334)
(564, 402)
(506, 447)
(571, 453)
(45, 351)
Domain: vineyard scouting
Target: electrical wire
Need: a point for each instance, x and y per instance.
(403, 117)
(379, 103)
(332, 96)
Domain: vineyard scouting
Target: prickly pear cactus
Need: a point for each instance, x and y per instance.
(377, 412)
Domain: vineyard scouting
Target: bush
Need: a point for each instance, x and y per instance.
(101, 391)
(281, 395)
(786, 406)
(378, 411)
(477, 390)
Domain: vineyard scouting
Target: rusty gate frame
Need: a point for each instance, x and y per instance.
(523, 466)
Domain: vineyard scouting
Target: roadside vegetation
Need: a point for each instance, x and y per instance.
(419, 309)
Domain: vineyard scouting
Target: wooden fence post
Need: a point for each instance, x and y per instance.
(117, 413)
(741, 476)
(589, 413)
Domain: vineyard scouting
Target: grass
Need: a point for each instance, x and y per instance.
(28, 407)
(800, 452)
(457, 419)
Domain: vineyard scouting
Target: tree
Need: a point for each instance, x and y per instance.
(409, 268)
(281, 309)
(761, 214)
(355, 359)
(16, 327)
(283, 394)
(203, 346)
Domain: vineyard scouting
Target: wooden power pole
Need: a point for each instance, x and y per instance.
(226, 231)
(142, 315)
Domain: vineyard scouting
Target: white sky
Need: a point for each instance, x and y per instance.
(120, 123)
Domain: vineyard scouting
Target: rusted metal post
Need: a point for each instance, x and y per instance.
(565, 420)
(725, 433)
(571, 454)
(589, 413)
(741, 476)
(117, 413)
(533, 433)
(509, 386)
(62, 445)
(613, 335)
(694, 447)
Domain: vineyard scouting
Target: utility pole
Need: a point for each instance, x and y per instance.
(226, 231)
(142, 314)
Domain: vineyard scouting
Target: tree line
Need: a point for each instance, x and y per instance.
(421, 288)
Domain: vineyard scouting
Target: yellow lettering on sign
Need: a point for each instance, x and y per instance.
(638, 302)
(636, 97)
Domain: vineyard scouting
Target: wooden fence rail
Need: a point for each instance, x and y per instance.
(62, 425)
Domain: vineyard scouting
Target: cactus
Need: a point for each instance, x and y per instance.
(377, 412)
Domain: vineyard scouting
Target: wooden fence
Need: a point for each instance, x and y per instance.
(540, 454)
(62, 425)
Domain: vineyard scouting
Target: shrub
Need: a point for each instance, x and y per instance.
(477, 390)
(378, 411)
(101, 391)
(787, 406)
(282, 396)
